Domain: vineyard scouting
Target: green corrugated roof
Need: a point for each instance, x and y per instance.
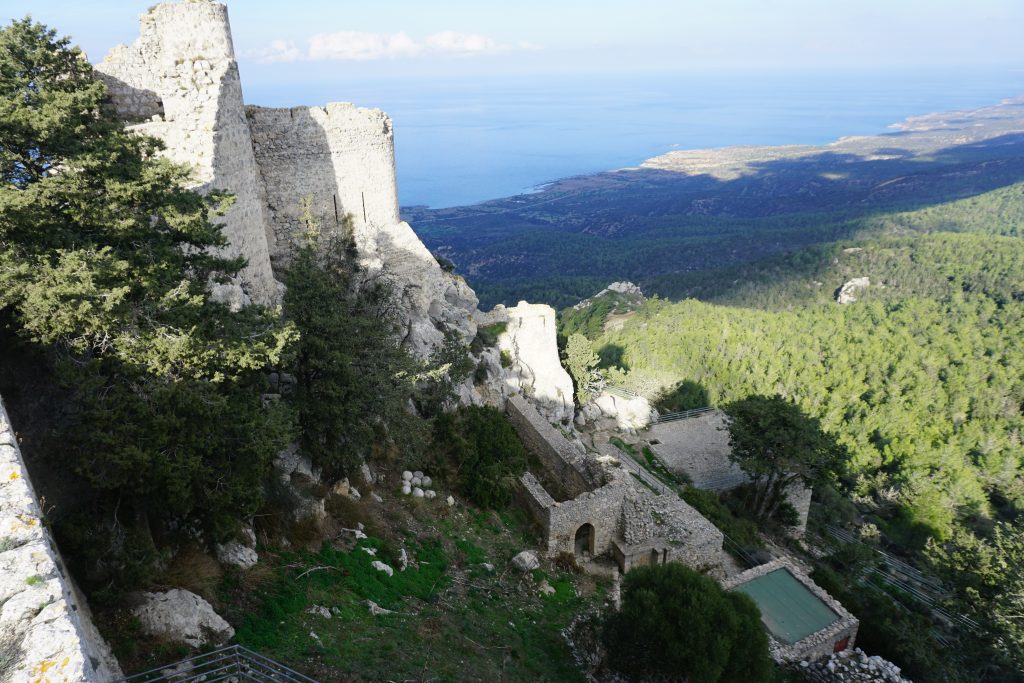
(789, 610)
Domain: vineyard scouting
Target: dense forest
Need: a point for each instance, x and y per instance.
(921, 379)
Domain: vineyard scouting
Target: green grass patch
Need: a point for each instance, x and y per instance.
(451, 620)
(742, 531)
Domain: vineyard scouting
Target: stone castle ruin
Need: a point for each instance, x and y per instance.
(179, 82)
(332, 166)
(592, 506)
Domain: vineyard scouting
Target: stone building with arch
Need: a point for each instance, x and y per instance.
(590, 506)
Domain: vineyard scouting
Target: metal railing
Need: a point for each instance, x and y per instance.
(618, 391)
(684, 414)
(723, 483)
(233, 663)
(910, 581)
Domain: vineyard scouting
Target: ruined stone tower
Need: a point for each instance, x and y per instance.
(179, 82)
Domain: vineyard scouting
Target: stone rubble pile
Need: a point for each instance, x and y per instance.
(856, 665)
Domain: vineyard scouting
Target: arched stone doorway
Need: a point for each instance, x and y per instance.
(585, 540)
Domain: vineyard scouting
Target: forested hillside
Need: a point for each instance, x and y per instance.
(921, 378)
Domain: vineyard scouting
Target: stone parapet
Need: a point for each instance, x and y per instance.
(46, 633)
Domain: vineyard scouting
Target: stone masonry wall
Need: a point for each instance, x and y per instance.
(46, 633)
(179, 82)
(819, 644)
(600, 508)
(558, 455)
(340, 156)
(339, 161)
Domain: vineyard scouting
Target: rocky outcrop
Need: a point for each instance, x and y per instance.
(181, 616)
(629, 291)
(847, 294)
(630, 413)
(45, 629)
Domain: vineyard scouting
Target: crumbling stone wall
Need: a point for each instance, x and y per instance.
(340, 157)
(46, 633)
(558, 455)
(179, 82)
(329, 163)
(599, 508)
(631, 523)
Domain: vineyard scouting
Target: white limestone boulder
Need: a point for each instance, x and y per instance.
(181, 616)
(628, 413)
(847, 294)
(382, 567)
(526, 561)
(234, 554)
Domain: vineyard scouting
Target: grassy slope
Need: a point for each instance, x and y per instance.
(453, 620)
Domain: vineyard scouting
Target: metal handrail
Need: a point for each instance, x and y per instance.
(684, 414)
(231, 663)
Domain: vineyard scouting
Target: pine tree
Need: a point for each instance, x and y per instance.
(105, 260)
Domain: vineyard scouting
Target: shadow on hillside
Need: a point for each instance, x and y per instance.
(639, 224)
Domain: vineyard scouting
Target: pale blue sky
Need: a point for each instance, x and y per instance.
(313, 39)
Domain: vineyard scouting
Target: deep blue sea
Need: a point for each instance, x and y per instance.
(463, 142)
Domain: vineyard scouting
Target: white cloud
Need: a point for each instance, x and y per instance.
(360, 46)
(461, 43)
(277, 51)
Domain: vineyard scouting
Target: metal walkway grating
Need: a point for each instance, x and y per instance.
(232, 664)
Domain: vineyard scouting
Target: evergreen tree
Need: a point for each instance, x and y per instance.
(777, 445)
(354, 380)
(105, 259)
(678, 625)
(580, 361)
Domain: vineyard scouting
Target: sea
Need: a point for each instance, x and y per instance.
(460, 142)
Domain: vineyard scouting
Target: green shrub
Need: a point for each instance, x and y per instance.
(487, 335)
(478, 448)
(742, 531)
(678, 624)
